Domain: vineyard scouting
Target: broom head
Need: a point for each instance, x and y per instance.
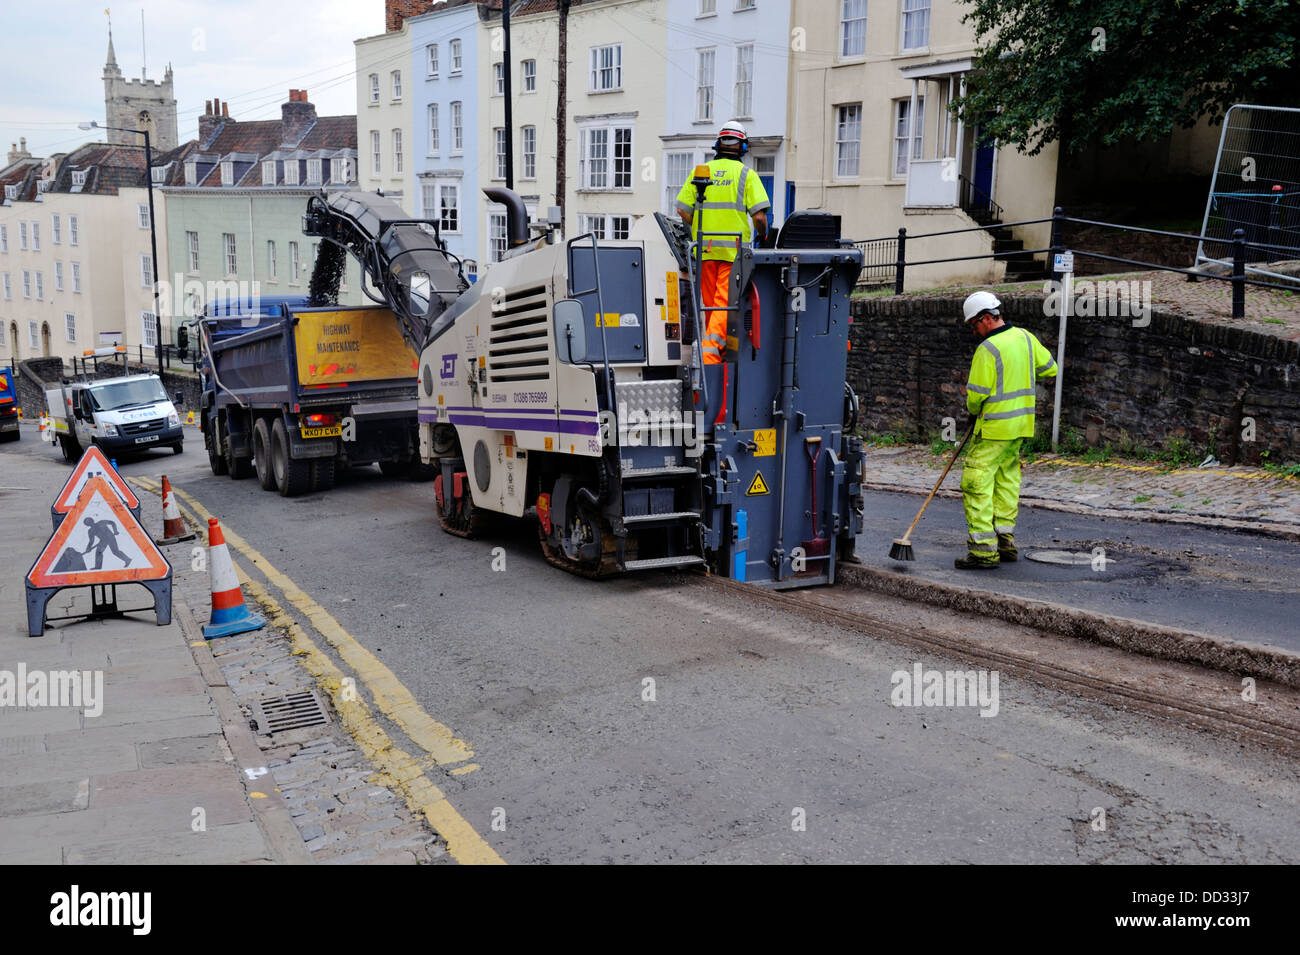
(902, 550)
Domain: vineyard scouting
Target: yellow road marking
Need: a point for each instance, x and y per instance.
(462, 770)
(392, 698)
(1239, 475)
(398, 769)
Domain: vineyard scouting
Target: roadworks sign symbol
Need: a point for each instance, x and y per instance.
(99, 542)
(758, 485)
(93, 464)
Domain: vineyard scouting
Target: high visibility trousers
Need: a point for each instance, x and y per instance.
(990, 487)
(715, 278)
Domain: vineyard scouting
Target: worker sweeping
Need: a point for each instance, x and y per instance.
(1000, 394)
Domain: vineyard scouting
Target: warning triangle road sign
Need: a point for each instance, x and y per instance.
(93, 464)
(758, 485)
(99, 542)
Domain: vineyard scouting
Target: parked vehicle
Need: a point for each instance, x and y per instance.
(9, 430)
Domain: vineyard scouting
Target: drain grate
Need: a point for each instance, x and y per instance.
(292, 711)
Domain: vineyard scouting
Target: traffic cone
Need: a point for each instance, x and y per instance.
(173, 524)
(229, 615)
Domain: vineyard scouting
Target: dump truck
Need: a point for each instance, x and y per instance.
(296, 388)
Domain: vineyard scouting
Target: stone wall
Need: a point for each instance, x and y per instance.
(1175, 379)
(36, 374)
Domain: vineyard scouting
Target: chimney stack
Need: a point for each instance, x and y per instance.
(18, 151)
(296, 117)
(215, 115)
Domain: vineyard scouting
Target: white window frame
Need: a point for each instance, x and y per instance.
(434, 145)
(142, 215)
(601, 174)
(295, 263)
(272, 263)
(191, 173)
(231, 253)
(852, 12)
(22, 235)
(227, 172)
(914, 18)
(527, 76)
(376, 153)
(146, 270)
(916, 132)
(73, 233)
(268, 172)
(192, 247)
(148, 329)
(40, 285)
(457, 61)
(743, 5)
(79, 178)
(848, 151)
(431, 61)
(8, 287)
(27, 283)
(528, 151)
(34, 334)
(498, 79)
(314, 171)
(76, 278)
(707, 8)
(70, 326)
(11, 193)
(396, 76)
(605, 226)
(603, 68)
(36, 237)
(706, 77)
(743, 94)
(499, 142)
(436, 190)
(677, 169)
(457, 127)
(397, 152)
(58, 275)
(4, 236)
(56, 231)
(291, 172)
(497, 236)
(374, 89)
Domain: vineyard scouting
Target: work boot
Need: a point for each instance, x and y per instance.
(971, 562)
(1007, 548)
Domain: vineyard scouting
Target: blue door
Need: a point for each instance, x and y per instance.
(983, 177)
(768, 182)
(789, 197)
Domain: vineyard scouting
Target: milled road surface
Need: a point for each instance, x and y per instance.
(769, 739)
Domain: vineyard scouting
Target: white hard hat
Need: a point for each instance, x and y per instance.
(733, 130)
(977, 303)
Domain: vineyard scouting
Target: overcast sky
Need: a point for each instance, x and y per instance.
(247, 52)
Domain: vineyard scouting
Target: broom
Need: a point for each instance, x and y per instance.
(902, 549)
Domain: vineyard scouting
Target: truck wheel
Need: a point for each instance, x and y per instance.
(322, 474)
(237, 468)
(291, 477)
(262, 455)
(215, 461)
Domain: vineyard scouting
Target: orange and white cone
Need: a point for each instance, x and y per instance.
(173, 524)
(229, 614)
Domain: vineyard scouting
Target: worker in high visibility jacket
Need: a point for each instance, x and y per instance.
(734, 196)
(1000, 397)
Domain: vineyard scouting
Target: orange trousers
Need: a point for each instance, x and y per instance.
(715, 280)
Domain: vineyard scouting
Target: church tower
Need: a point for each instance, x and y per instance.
(139, 104)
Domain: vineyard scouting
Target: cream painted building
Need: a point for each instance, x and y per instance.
(384, 115)
(873, 142)
(75, 255)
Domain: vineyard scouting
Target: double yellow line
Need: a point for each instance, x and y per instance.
(398, 769)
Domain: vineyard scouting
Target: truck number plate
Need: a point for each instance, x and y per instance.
(331, 432)
(146, 439)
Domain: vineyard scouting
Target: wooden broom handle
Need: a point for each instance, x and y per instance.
(934, 490)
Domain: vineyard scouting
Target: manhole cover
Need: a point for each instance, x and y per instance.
(292, 711)
(1069, 558)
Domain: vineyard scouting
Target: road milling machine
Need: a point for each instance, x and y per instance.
(568, 383)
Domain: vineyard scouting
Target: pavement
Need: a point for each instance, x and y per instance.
(162, 766)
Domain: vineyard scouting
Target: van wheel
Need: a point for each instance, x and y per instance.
(291, 477)
(262, 455)
(178, 449)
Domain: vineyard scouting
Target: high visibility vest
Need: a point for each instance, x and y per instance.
(1000, 390)
(733, 195)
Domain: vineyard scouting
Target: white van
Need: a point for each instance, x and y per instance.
(117, 415)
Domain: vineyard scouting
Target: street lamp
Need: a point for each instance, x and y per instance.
(153, 232)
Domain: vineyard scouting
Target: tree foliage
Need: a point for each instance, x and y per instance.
(1089, 72)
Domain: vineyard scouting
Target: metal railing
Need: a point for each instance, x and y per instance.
(1240, 252)
(976, 201)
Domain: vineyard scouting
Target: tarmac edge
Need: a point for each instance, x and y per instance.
(1136, 636)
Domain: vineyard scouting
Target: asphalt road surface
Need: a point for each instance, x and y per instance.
(763, 737)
